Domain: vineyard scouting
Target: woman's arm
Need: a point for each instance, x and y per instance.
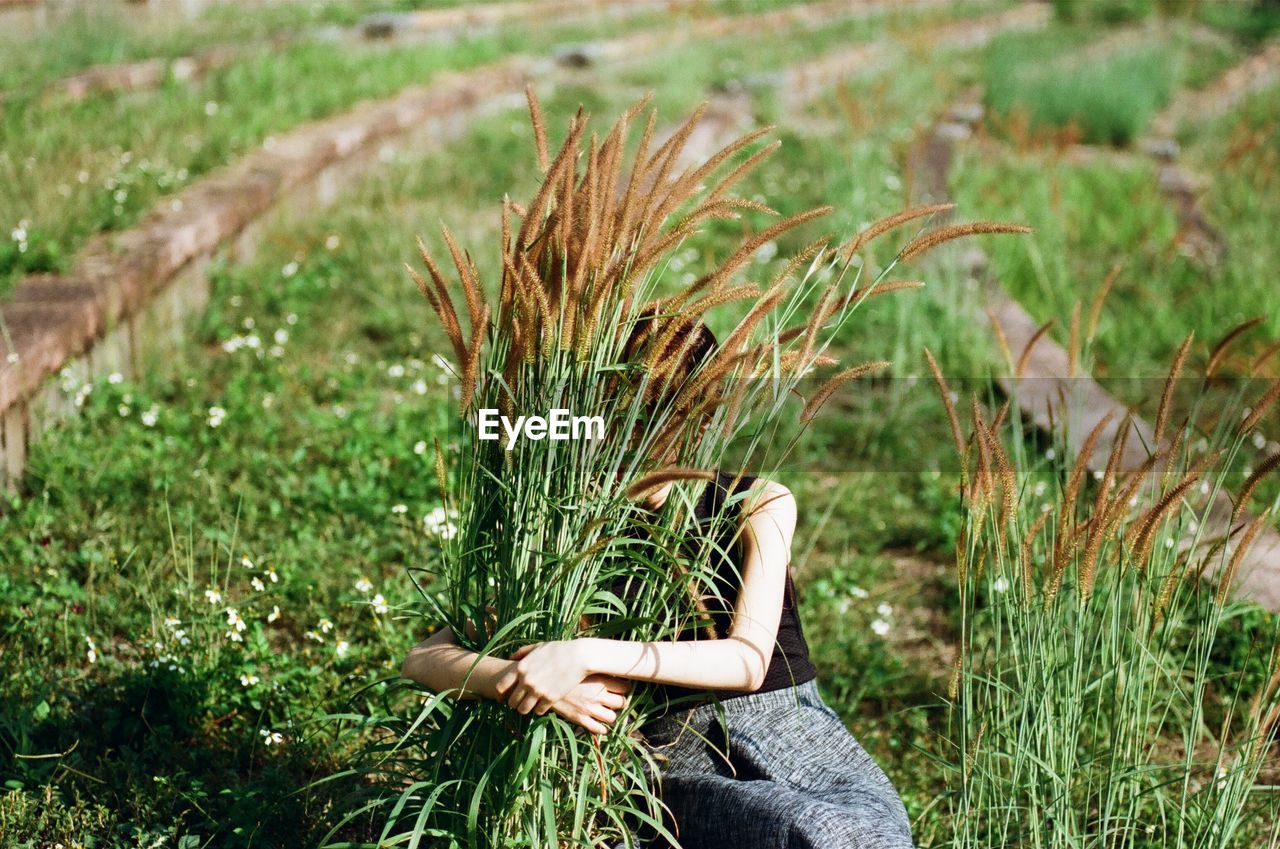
(739, 662)
(440, 664)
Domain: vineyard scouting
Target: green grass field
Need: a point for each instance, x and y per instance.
(202, 575)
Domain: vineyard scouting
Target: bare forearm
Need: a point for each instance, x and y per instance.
(443, 666)
(727, 664)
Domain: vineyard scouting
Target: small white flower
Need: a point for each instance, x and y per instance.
(271, 737)
(420, 447)
(1193, 526)
(312, 635)
(1204, 487)
(880, 627)
(331, 242)
(859, 592)
(150, 416)
(274, 614)
(1133, 501)
(1046, 507)
(290, 269)
(213, 596)
(395, 370)
(248, 680)
(281, 336)
(364, 585)
(1168, 542)
(291, 319)
(1097, 474)
(13, 358)
(379, 603)
(437, 523)
(171, 622)
(399, 509)
(351, 358)
(124, 411)
(246, 562)
(325, 626)
(419, 387)
(272, 576)
(216, 415)
(1039, 489)
(92, 653)
(341, 648)
(257, 584)
(1259, 441)
(1001, 585)
(211, 108)
(884, 610)
(115, 377)
(234, 636)
(1050, 454)
(234, 620)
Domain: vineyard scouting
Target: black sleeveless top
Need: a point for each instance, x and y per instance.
(790, 664)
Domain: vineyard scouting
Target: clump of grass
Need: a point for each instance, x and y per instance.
(551, 543)
(1088, 706)
(1104, 100)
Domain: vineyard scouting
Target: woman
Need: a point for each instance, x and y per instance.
(759, 761)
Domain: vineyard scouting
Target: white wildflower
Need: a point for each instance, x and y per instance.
(880, 627)
(248, 680)
(884, 610)
(216, 415)
(420, 447)
(257, 584)
(213, 596)
(1001, 585)
(379, 603)
(341, 648)
(274, 614)
(364, 585)
(859, 592)
(92, 653)
(399, 509)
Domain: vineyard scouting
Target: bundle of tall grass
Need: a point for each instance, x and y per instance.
(553, 542)
(1090, 703)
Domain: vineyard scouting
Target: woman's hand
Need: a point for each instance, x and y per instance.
(544, 674)
(594, 704)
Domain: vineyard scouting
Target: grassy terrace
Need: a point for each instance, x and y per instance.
(279, 468)
(69, 171)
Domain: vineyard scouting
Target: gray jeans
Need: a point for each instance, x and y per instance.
(774, 770)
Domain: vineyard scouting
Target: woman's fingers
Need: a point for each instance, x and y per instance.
(523, 650)
(591, 724)
(613, 700)
(529, 702)
(604, 715)
(542, 707)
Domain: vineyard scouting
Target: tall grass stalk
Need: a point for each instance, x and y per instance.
(1088, 707)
